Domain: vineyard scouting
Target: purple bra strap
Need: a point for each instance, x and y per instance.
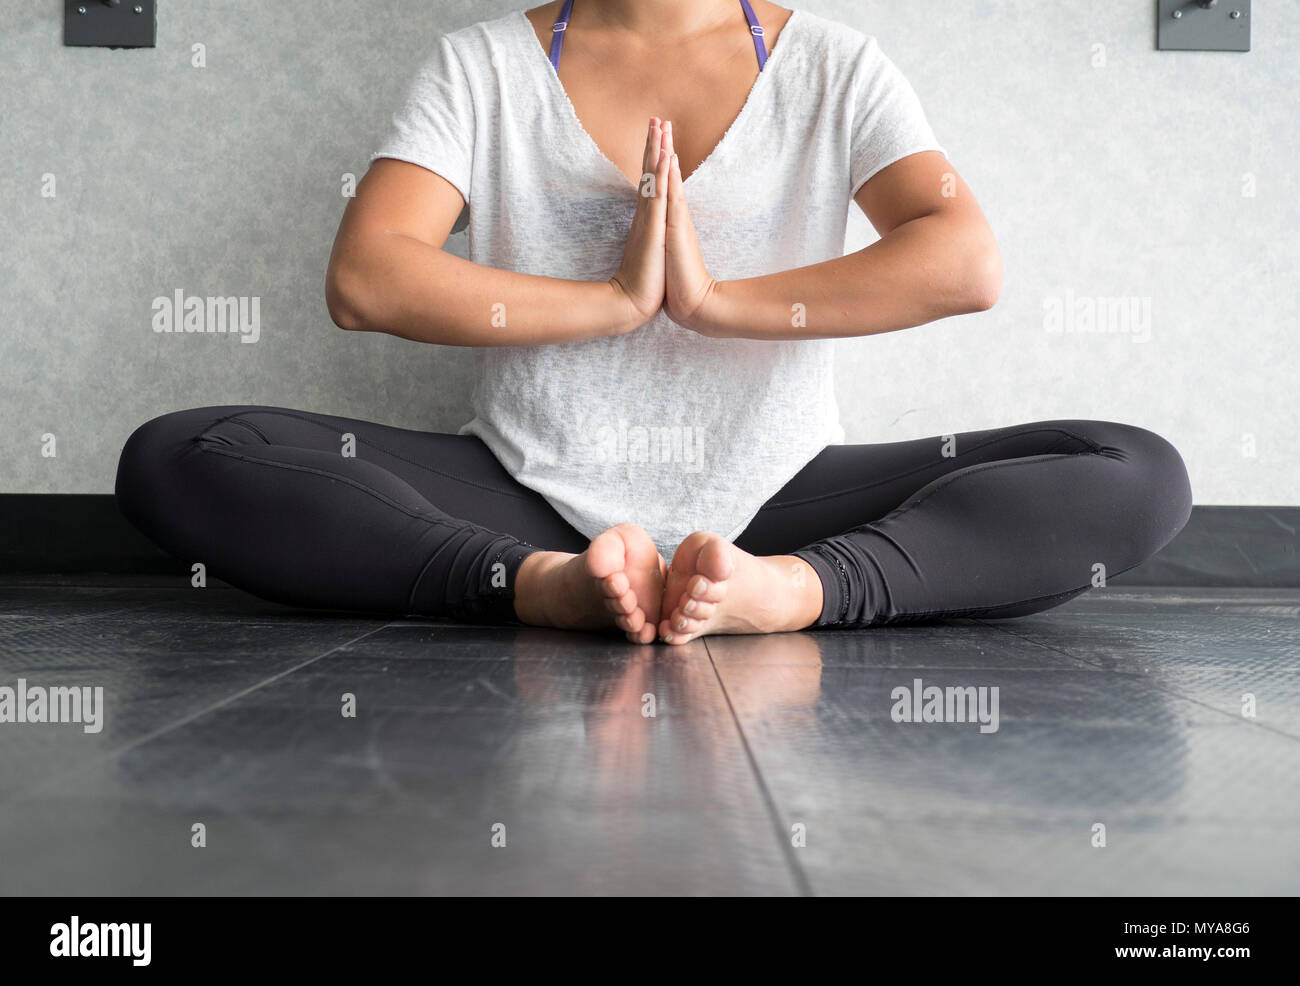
(561, 25)
(557, 33)
(756, 29)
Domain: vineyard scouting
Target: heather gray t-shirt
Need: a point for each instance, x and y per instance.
(662, 427)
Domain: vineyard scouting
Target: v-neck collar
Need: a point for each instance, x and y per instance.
(543, 61)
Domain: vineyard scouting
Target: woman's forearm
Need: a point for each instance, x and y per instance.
(926, 269)
(401, 285)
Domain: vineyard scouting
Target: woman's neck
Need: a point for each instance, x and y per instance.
(664, 19)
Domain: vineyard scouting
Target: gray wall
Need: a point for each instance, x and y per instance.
(1120, 180)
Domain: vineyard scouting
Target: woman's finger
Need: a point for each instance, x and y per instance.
(669, 151)
(676, 199)
(678, 217)
(659, 203)
(650, 155)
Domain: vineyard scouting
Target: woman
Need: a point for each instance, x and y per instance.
(658, 193)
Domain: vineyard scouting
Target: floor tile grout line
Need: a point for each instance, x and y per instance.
(192, 717)
(1147, 683)
(243, 692)
(801, 881)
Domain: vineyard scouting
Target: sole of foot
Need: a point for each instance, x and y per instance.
(617, 582)
(630, 573)
(716, 588)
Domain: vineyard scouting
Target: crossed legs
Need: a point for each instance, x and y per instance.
(325, 511)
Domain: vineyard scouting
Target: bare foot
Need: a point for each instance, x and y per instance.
(714, 587)
(617, 582)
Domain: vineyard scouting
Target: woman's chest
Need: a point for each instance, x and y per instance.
(614, 105)
(614, 84)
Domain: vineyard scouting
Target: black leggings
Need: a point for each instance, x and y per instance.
(330, 512)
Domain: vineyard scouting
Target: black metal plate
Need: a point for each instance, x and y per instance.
(93, 23)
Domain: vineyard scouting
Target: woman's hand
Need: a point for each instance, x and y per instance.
(662, 263)
(640, 280)
(688, 284)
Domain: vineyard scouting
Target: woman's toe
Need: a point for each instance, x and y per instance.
(697, 610)
(669, 634)
(616, 584)
(707, 591)
(685, 625)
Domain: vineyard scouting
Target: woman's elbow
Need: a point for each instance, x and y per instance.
(343, 298)
(983, 278)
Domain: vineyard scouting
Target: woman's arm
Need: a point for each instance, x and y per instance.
(936, 257)
(389, 273)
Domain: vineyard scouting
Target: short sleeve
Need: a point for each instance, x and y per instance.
(434, 127)
(888, 121)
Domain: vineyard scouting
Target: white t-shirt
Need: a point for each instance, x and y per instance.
(661, 427)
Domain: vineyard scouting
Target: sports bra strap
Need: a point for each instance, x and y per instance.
(557, 33)
(756, 29)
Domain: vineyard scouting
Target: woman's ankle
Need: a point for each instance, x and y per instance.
(535, 587)
(806, 594)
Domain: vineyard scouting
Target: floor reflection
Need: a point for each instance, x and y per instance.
(662, 751)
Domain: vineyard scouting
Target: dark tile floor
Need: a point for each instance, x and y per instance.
(769, 765)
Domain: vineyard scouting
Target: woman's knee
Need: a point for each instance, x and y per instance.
(1151, 481)
(146, 466)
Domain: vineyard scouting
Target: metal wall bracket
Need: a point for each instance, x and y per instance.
(109, 23)
(1203, 25)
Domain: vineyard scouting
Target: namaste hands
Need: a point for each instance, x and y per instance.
(662, 264)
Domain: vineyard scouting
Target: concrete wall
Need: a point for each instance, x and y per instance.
(1109, 171)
